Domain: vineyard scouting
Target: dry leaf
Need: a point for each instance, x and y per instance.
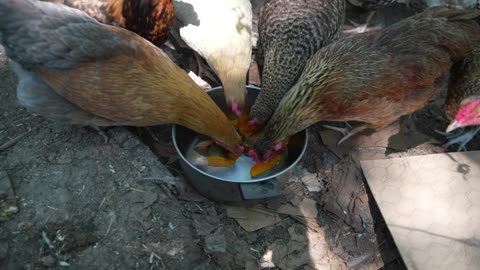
(216, 243)
(311, 181)
(252, 219)
(202, 225)
(171, 248)
(294, 192)
(297, 232)
(306, 208)
(8, 201)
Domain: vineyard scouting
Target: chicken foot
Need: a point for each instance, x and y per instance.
(367, 22)
(347, 131)
(461, 138)
(361, 28)
(101, 133)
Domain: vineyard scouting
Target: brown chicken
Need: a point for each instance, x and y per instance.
(151, 19)
(462, 106)
(375, 77)
(75, 70)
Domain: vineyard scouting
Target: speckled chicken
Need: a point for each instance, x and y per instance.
(375, 77)
(462, 106)
(75, 70)
(221, 32)
(151, 19)
(290, 32)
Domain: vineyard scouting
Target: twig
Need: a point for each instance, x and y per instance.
(171, 180)
(51, 207)
(16, 139)
(13, 141)
(160, 259)
(81, 190)
(48, 242)
(307, 224)
(336, 238)
(166, 191)
(154, 136)
(198, 206)
(101, 204)
(112, 217)
(263, 210)
(136, 189)
(53, 250)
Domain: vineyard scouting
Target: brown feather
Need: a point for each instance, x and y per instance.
(464, 84)
(376, 78)
(141, 88)
(154, 26)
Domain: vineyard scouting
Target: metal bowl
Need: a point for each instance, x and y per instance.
(230, 190)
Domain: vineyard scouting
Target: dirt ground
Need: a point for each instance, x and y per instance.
(84, 204)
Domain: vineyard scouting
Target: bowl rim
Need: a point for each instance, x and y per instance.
(256, 180)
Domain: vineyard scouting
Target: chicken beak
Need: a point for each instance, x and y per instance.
(454, 125)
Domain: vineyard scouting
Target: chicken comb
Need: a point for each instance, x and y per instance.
(466, 110)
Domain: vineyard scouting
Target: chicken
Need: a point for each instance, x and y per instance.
(221, 32)
(462, 106)
(151, 19)
(73, 69)
(375, 77)
(290, 32)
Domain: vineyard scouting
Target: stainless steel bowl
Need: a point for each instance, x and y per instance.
(230, 190)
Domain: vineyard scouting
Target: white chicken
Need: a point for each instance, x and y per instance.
(221, 32)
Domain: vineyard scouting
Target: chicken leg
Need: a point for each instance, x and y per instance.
(461, 138)
(367, 21)
(347, 131)
(361, 28)
(102, 133)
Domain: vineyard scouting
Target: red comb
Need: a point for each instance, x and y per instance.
(466, 110)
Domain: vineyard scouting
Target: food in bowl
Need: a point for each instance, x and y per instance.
(213, 159)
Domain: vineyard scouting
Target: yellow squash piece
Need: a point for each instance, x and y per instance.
(234, 122)
(220, 161)
(261, 167)
(243, 127)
